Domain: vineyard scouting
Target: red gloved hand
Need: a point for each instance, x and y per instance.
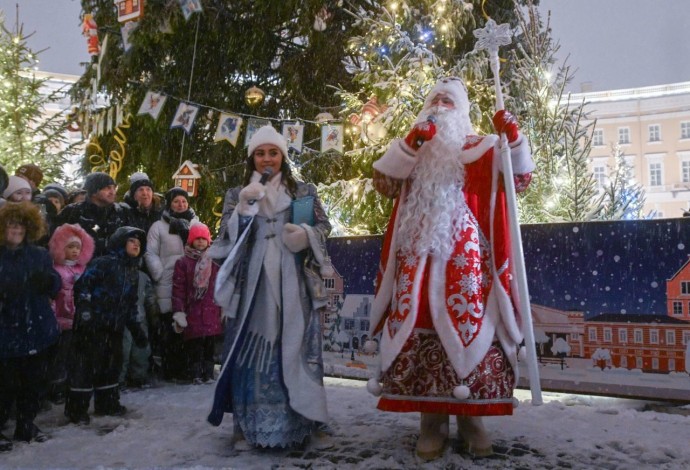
(420, 133)
(504, 121)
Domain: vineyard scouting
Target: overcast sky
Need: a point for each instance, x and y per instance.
(611, 43)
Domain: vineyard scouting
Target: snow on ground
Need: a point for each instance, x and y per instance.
(166, 428)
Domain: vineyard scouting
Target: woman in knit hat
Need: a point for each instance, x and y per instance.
(272, 236)
(164, 246)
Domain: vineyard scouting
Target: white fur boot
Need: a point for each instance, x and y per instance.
(473, 436)
(433, 436)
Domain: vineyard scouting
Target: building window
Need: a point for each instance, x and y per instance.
(655, 174)
(623, 135)
(622, 335)
(685, 287)
(592, 334)
(677, 307)
(655, 363)
(638, 335)
(685, 171)
(670, 337)
(598, 137)
(638, 363)
(624, 361)
(349, 324)
(329, 282)
(686, 337)
(364, 325)
(336, 300)
(685, 130)
(600, 176)
(671, 365)
(654, 132)
(607, 335)
(653, 336)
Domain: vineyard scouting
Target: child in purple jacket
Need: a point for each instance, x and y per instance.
(196, 315)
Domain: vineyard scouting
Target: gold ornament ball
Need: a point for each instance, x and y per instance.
(254, 96)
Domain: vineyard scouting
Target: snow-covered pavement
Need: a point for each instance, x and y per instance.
(166, 428)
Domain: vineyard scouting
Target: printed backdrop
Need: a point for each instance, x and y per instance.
(610, 303)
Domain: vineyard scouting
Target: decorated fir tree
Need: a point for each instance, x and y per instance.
(291, 50)
(28, 132)
(623, 198)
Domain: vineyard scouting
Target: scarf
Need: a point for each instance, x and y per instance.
(202, 270)
(178, 222)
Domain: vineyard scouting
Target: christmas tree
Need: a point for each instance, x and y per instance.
(623, 198)
(290, 50)
(28, 134)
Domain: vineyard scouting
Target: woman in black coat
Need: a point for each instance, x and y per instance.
(28, 327)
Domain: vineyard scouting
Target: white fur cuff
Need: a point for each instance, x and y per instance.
(521, 156)
(295, 238)
(398, 161)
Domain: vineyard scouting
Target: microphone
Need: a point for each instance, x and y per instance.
(265, 176)
(431, 119)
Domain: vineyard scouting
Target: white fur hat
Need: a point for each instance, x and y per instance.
(454, 87)
(267, 135)
(14, 184)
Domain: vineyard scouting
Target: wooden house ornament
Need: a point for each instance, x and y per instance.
(129, 10)
(188, 177)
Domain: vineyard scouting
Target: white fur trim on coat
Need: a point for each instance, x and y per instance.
(398, 161)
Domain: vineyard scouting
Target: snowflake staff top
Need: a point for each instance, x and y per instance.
(491, 36)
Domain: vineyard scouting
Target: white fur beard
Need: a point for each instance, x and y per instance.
(431, 215)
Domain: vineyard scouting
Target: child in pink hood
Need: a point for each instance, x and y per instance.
(71, 249)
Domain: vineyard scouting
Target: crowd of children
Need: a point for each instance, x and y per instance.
(82, 315)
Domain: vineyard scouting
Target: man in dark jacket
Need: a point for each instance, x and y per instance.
(144, 204)
(105, 298)
(99, 215)
(28, 327)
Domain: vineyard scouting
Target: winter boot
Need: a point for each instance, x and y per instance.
(473, 436)
(433, 436)
(5, 444)
(106, 402)
(28, 431)
(77, 407)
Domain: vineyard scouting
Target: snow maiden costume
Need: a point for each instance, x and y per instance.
(449, 327)
(272, 378)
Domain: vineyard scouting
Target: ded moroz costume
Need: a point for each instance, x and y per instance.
(444, 303)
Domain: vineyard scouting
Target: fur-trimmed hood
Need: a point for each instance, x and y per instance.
(60, 240)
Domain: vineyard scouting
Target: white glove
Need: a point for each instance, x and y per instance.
(295, 237)
(249, 195)
(180, 321)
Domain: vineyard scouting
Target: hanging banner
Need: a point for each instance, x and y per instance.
(189, 7)
(126, 31)
(152, 104)
(332, 137)
(253, 125)
(294, 134)
(184, 117)
(229, 126)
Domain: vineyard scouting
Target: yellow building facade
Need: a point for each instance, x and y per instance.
(652, 127)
